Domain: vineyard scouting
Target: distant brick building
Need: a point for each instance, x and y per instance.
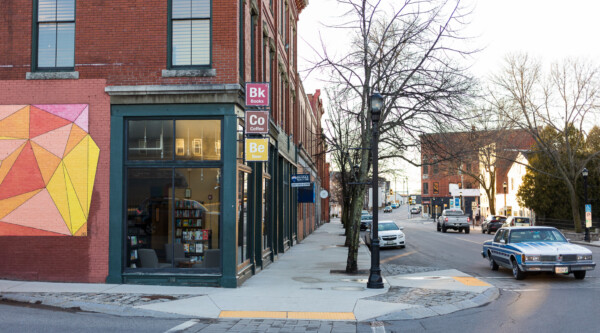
(452, 163)
(171, 198)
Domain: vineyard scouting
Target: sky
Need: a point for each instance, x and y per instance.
(548, 29)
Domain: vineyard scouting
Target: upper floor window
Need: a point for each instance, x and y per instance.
(55, 28)
(190, 32)
(425, 165)
(425, 188)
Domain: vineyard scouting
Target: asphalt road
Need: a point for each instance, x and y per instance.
(543, 302)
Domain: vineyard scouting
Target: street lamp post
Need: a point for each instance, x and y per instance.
(375, 280)
(584, 172)
(504, 187)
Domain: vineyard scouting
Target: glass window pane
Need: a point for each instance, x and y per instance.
(148, 218)
(198, 140)
(200, 8)
(46, 10)
(47, 45)
(197, 215)
(181, 8)
(201, 42)
(65, 10)
(150, 140)
(182, 43)
(65, 42)
(242, 232)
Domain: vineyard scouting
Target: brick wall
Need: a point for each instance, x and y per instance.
(65, 258)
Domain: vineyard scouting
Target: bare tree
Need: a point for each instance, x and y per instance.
(561, 102)
(405, 53)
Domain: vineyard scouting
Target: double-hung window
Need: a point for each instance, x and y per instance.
(190, 33)
(55, 29)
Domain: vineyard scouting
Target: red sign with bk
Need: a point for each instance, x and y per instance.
(257, 94)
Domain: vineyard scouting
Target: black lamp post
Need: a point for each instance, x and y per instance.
(375, 280)
(504, 186)
(585, 173)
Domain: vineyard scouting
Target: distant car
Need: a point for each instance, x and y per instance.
(395, 205)
(364, 212)
(387, 209)
(365, 221)
(517, 221)
(536, 249)
(492, 223)
(415, 210)
(390, 235)
(454, 219)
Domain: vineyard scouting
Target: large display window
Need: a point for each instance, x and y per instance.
(173, 195)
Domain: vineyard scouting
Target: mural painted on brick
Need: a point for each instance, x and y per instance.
(48, 165)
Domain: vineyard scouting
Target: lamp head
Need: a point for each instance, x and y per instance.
(584, 172)
(376, 106)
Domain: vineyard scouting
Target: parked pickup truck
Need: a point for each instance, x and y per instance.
(454, 219)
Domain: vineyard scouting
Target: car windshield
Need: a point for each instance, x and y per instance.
(536, 235)
(388, 226)
(366, 217)
(454, 212)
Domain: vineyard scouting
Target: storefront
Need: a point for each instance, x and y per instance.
(186, 209)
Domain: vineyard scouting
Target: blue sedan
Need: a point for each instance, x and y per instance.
(536, 249)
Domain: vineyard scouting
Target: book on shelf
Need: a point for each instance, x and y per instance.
(134, 240)
(192, 247)
(199, 247)
(186, 247)
(134, 255)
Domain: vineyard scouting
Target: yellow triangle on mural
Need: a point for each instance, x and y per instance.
(58, 191)
(76, 165)
(8, 162)
(75, 211)
(93, 156)
(76, 135)
(8, 205)
(16, 125)
(47, 162)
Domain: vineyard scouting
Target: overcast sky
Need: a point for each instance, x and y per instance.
(549, 29)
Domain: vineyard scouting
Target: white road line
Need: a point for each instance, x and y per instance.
(377, 327)
(183, 326)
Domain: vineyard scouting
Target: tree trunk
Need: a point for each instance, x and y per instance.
(574, 206)
(354, 239)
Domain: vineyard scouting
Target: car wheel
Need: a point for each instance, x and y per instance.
(493, 264)
(438, 227)
(489, 231)
(579, 275)
(517, 272)
(443, 229)
(468, 230)
(403, 246)
(482, 230)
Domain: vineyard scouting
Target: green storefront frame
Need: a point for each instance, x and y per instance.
(227, 114)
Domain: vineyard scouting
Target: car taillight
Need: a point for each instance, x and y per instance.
(446, 219)
(468, 219)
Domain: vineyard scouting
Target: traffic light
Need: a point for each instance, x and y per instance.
(410, 201)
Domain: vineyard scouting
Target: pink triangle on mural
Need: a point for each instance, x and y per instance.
(66, 111)
(82, 120)
(8, 146)
(41, 205)
(55, 141)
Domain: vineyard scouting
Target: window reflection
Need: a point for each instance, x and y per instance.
(198, 140)
(150, 140)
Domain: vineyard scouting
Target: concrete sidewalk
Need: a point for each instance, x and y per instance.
(304, 283)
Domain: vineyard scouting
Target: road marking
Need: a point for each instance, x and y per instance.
(470, 281)
(397, 256)
(470, 241)
(183, 326)
(289, 315)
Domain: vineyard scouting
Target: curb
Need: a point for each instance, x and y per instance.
(115, 310)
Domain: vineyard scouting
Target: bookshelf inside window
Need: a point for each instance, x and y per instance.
(190, 229)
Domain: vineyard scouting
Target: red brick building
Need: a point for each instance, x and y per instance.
(159, 89)
(455, 159)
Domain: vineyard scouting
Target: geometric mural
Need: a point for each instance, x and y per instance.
(48, 165)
